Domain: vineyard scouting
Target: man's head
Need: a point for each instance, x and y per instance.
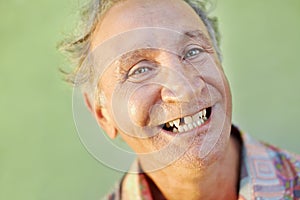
(165, 92)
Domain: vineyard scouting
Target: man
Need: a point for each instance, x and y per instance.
(153, 76)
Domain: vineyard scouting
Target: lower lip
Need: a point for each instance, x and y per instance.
(198, 130)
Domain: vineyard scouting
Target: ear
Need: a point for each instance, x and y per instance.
(103, 118)
(88, 102)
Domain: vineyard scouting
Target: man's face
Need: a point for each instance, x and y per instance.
(166, 93)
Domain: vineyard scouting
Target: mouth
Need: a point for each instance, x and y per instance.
(187, 123)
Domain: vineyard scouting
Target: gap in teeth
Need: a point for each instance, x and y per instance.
(187, 123)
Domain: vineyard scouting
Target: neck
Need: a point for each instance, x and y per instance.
(194, 184)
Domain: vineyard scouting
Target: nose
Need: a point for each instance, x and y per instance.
(181, 84)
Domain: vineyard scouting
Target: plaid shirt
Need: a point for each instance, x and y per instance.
(267, 173)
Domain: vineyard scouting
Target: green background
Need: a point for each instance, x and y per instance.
(41, 157)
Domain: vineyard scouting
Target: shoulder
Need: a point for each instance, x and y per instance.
(270, 171)
(284, 161)
(287, 164)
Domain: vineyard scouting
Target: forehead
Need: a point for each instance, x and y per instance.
(132, 14)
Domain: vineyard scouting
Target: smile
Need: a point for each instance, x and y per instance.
(188, 123)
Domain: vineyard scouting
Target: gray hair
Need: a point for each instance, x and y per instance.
(77, 46)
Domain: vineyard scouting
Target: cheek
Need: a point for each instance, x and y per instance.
(214, 75)
(141, 102)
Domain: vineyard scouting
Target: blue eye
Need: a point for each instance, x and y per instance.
(140, 70)
(192, 53)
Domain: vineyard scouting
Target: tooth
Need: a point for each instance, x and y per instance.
(188, 120)
(200, 114)
(195, 117)
(190, 126)
(176, 122)
(204, 113)
(195, 124)
(180, 129)
(199, 122)
(175, 130)
(204, 118)
(202, 121)
(185, 127)
(171, 124)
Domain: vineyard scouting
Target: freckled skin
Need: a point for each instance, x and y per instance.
(166, 90)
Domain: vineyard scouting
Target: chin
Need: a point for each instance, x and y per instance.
(204, 152)
(193, 159)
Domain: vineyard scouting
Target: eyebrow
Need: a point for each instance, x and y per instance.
(133, 56)
(199, 36)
